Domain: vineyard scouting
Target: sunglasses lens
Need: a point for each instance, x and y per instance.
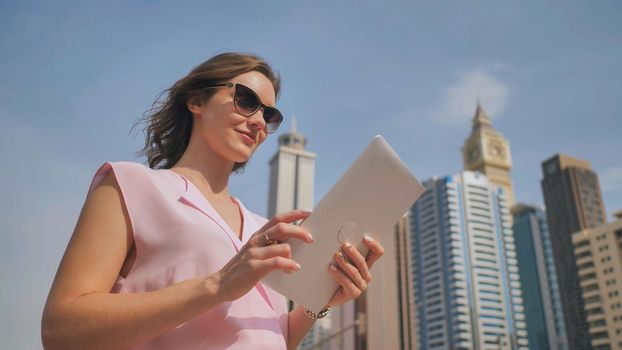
(247, 103)
(246, 100)
(273, 119)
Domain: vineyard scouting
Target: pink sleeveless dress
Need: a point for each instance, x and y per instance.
(179, 236)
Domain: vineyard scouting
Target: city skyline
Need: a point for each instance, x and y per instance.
(76, 77)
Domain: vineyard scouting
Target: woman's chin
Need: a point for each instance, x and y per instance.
(243, 157)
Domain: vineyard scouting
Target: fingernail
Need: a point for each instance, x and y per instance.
(332, 267)
(348, 246)
(340, 255)
(297, 266)
(306, 210)
(367, 239)
(311, 239)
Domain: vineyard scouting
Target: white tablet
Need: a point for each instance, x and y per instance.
(369, 199)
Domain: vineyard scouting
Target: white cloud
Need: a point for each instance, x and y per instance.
(611, 179)
(459, 100)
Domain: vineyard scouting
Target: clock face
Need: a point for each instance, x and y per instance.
(473, 155)
(496, 150)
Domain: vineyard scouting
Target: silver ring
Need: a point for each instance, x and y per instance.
(268, 240)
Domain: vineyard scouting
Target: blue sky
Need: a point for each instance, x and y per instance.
(76, 76)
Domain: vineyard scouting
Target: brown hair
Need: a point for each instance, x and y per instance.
(169, 122)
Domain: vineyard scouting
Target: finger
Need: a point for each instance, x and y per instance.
(287, 217)
(271, 251)
(349, 288)
(375, 250)
(351, 271)
(283, 231)
(278, 263)
(358, 260)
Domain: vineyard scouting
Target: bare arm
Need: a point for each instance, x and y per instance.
(298, 324)
(81, 313)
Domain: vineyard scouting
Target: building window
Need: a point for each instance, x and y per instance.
(593, 299)
(594, 311)
(600, 335)
(581, 244)
(587, 277)
(584, 254)
(598, 323)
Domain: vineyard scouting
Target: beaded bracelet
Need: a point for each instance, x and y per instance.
(316, 316)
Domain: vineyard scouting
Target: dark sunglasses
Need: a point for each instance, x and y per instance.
(247, 103)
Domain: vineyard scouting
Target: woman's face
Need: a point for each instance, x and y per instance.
(226, 132)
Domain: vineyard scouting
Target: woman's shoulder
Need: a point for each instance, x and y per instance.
(125, 166)
(130, 174)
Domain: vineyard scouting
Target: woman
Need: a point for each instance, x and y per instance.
(163, 257)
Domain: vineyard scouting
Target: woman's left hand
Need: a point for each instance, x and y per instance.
(351, 270)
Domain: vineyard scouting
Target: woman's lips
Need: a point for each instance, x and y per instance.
(247, 138)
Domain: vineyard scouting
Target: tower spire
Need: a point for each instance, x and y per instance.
(481, 119)
(292, 138)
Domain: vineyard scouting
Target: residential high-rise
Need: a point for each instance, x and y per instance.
(543, 308)
(467, 284)
(487, 151)
(573, 202)
(599, 259)
(291, 174)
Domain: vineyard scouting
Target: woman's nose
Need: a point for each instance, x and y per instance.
(257, 121)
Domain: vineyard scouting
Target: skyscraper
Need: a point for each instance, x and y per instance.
(487, 151)
(573, 202)
(291, 174)
(467, 286)
(291, 187)
(389, 316)
(599, 259)
(543, 308)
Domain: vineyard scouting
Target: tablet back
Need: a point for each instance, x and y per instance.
(369, 199)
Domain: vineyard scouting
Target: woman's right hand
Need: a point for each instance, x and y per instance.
(257, 257)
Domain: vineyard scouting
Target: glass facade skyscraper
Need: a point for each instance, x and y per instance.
(467, 284)
(543, 307)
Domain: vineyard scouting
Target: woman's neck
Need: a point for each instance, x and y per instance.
(209, 172)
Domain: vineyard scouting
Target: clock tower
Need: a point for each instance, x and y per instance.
(487, 151)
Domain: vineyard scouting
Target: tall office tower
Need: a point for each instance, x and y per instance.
(487, 151)
(291, 186)
(543, 308)
(291, 174)
(599, 259)
(468, 290)
(573, 202)
(387, 318)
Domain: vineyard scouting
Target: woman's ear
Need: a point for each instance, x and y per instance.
(194, 104)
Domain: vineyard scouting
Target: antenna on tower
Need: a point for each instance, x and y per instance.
(293, 130)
